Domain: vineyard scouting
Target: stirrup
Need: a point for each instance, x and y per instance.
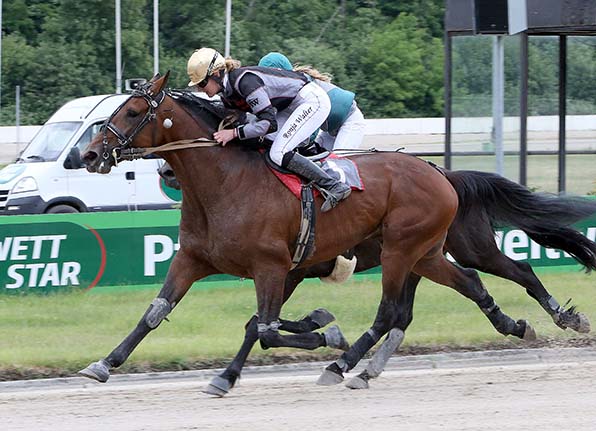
(331, 200)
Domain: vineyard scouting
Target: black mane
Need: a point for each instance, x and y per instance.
(211, 112)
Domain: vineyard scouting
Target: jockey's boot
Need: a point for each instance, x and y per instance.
(333, 190)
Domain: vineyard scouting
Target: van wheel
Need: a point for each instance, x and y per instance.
(62, 209)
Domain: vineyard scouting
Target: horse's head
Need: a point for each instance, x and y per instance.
(139, 122)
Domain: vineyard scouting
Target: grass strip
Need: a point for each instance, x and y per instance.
(58, 334)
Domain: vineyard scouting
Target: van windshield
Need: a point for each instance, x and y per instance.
(49, 143)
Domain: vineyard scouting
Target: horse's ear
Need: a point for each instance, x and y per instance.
(161, 81)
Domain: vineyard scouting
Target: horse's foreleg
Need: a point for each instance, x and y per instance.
(183, 271)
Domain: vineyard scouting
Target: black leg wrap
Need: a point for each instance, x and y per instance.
(298, 327)
(358, 350)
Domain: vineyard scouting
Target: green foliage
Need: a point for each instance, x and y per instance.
(389, 53)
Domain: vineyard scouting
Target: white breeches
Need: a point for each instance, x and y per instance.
(349, 136)
(298, 121)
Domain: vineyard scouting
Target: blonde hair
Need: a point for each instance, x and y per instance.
(230, 65)
(312, 72)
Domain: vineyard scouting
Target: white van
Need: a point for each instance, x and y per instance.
(38, 181)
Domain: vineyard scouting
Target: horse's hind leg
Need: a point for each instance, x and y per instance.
(183, 271)
(467, 282)
(316, 319)
(482, 254)
(394, 338)
(396, 266)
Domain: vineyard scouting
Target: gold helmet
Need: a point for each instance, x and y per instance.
(202, 63)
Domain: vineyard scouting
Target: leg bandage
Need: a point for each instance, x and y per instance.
(382, 355)
(160, 308)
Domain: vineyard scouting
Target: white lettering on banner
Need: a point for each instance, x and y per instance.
(51, 274)
(18, 278)
(33, 269)
(535, 250)
(151, 254)
(516, 244)
(17, 244)
(4, 248)
(513, 240)
(17, 248)
(70, 272)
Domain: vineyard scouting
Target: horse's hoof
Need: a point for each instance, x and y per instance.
(334, 338)
(99, 371)
(329, 378)
(569, 319)
(583, 325)
(529, 333)
(321, 317)
(357, 383)
(218, 386)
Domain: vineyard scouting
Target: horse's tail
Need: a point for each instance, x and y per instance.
(544, 217)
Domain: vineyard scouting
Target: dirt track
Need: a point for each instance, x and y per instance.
(542, 389)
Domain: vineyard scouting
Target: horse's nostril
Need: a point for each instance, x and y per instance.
(90, 156)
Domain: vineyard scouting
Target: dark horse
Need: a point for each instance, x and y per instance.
(237, 219)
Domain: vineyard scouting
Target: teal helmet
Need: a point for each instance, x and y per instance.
(276, 59)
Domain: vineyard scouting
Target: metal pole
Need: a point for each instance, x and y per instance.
(155, 36)
(448, 113)
(118, 52)
(498, 103)
(228, 26)
(523, 110)
(562, 110)
(18, 117)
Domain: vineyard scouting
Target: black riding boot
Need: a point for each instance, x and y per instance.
(333, 190)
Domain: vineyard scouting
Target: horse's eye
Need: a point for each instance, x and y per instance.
(132, 113)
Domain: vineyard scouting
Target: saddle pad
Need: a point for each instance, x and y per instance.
(337, 167)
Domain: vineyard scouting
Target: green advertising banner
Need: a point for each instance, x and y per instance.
(44, 253)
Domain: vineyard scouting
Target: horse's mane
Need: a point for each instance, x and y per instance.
(211, 112)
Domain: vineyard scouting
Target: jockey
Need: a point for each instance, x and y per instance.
(344, 127)
(288, 107)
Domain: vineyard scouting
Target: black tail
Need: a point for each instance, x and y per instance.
(544, 217)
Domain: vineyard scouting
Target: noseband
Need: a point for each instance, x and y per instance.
(153, 102)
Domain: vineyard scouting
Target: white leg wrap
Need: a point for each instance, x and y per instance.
(379, 360)
(342, 270)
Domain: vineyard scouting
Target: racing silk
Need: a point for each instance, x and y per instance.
(263, 91)
(342, 106)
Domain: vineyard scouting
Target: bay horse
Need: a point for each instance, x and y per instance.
(237, 219)
(486, 200)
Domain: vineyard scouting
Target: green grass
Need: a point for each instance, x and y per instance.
(542, 170)
(66, 331)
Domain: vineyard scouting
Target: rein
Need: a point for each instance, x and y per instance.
(138, 153)
(124, 152)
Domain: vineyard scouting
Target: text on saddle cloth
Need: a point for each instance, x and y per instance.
(336, 166)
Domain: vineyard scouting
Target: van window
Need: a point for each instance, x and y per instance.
(86, 138)
(49, 142)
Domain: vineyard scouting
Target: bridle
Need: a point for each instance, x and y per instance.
(153, 102)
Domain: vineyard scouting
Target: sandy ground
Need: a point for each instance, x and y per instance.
(515, 390)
